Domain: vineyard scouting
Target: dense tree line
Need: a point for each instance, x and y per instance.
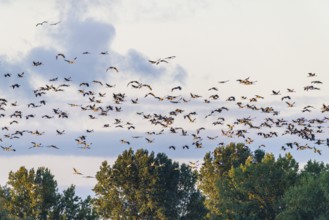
(31, 194)
(232, 183)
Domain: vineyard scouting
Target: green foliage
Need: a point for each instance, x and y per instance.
(239, 184)
(254, 189)
(34, 195)
(191, 200)
(87, 210)
(216, 165)
(234, 183)
(73, 207)
(143, 186)
(46, 194)
(4, 214)
(309, 197)
(31, 194)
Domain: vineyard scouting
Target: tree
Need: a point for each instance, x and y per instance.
(46, 193)
(87, 210)
(34, 195)
(216, 165)
(69, 204)
(144, 186)
(4, 213)
(254, 189)
(21, 200)
(72, 207)
(309, 197)
(31, 194)
(191, 200)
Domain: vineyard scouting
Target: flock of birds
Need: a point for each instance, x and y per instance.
(99, 104)
(96, 106)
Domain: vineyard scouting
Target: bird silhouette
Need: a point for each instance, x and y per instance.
(41, 23)
(75, 171)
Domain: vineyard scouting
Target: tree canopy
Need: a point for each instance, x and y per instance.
(31, 194)
(233, 182)
(140, 185)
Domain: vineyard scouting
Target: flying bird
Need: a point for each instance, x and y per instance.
(112, 68)
(75, 171)
(60, 55)
(41, 23)
(71, 61)
(176, 88)
(8, 149)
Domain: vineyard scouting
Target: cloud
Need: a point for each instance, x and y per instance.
(5, 1)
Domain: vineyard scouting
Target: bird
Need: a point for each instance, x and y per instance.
(275, 92)
(20, 75)
(84, 84)
(60, 132)
(124, 142)
(186, 147)
(231, 98)
(60, 55)
(88, 177)
(290, 105)
(52, 146)
(8, 149)
(15, 86)
(35, 145)
(55, 23)
(149, 140)
(112, 68)
(41, 23)
(193, 165)
(285, 97)
(36, 63)
(75, 171)
(134, 101)
(213, 88)
(71, 61)
(290, 90)
(176, 88)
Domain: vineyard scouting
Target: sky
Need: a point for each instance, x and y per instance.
(274, 43)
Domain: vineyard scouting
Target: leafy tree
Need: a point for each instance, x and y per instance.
(314, 168)
(87, 210)
(4, 214)
(309, 197)
(69, 204)
(216, 165)
(46, 195)
(34, 195)
(72, 206)
(144, 186)
(254, 189)
(21, 200)
(31, 194)
(191, 202)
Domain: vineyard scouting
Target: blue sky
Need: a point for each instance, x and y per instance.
(275, 43)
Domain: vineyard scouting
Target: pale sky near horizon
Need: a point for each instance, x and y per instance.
(275, 43)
